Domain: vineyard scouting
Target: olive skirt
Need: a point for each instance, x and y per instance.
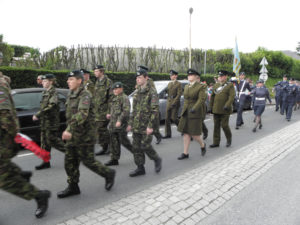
(190, 126)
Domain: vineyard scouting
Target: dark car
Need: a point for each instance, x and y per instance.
(27, 103)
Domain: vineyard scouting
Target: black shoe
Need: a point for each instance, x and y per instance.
(260, 126)
(157, 164)
(242, 123)
(183, 156)
(104, 151)
(288, 120)
(44, 165)
(192, 138)
(281, 113)
(276, 109)
(42, 203)
(254, 129)
(110, 180)
(205, 136)
(228, 144)
(167, 136)
(237, 127)
(203, 150)
(139, 171)
(112, 162)
(72, 189)
(214, 146)
(26, 175)
(158, 140)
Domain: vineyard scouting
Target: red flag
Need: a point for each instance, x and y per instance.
(29, 144)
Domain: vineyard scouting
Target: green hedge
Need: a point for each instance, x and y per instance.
(25, 78)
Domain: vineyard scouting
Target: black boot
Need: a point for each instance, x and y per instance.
(112, 162)
(26, 175)
(42, 203)
(104, 150)
(44, 165)
(158, 140)
(228, 144)
(110, 180)
(166, 137)
(157, 164)
(72, 189)
(139, 171)
(203, 150)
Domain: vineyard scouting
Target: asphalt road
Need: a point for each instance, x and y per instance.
(15, 211)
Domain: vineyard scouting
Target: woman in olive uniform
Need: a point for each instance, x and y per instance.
(190, 123)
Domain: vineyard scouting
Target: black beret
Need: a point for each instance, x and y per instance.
(192, 72)
(143, 67)
(48, 76)
(141, 72)
(76, 73)
(85, 71)
(260, 81)
(117, 85)
(173, 72)
(222, 73)
(99, 67)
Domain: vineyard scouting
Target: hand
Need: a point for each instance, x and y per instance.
(118, 124)
(108, 116)
(192, 110)
(149, 131)
(34, 118)
(226, 108)
(66, 135)
(128, 129)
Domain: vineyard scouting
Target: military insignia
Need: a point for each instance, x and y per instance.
(86, 101)
(220, 89)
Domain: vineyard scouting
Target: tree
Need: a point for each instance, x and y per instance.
(298, 48)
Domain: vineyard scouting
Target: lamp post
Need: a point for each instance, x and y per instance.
(1, 58)
(190, 53)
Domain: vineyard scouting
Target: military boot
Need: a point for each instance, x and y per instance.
(72, 189)
(139, 171)
(104, 150)
(26, 175)
(44, 165)
(110, 179)
(42, 203)
(157, 164)
(112, 162)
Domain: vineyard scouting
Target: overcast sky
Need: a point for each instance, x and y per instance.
(46, 24)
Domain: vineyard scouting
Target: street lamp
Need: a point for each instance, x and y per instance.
(1, 58)
(190, 53)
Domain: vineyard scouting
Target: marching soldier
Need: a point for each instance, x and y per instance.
(80, 137)
(277, 96)
(12, 178)
(49, 119)
(283, 84)
(243, 89)
(174, 90)
(221, 104)
(88, 83)
(142, 122)
(156, 131)
(118, 116)
(102, 96)
(290, 93)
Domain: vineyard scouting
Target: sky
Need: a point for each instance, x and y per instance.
(46, 24)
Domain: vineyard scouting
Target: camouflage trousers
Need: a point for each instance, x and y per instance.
(102, 132)
(116, 140)
(49, 138)
(156, 131)
(142, 145)
(11, 179)
(75, 153)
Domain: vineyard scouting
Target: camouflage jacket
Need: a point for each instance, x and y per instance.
(145, 109)
(89, 85)
(49, 109)
(80, 117)
(8, 117)
(102, 96)
(119, 111)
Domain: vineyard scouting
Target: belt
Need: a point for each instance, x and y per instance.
(259, 99)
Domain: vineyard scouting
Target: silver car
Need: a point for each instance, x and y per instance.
(161, 87)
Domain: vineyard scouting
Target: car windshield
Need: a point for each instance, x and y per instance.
(160, 86)
(27, 101)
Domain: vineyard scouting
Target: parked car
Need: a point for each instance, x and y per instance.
(161, 87)
(27, 103)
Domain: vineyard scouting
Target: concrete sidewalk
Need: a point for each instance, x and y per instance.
(192, 196)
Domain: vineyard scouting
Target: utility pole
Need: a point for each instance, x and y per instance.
(190, 53)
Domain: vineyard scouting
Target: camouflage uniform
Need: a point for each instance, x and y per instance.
(49, 119)
(11, 179)
(89, 85)
(102, 96)
(145, 112)
(80, 123)
(119, 111)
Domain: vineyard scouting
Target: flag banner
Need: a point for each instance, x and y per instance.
(29, 144)
(236, 60)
